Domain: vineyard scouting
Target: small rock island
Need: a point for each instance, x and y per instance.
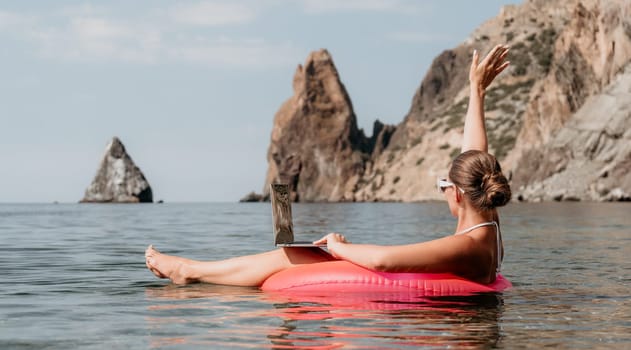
(118, 179)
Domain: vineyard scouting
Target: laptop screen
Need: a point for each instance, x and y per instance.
(281, 214)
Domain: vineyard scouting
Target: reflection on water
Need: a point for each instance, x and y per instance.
(364, 320)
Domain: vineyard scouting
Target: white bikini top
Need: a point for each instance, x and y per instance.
(498, 240)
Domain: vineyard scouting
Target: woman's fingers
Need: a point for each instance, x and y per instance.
(497, 55)
(339, 237)
(320, 241)
(490, 57)
(504, 52)
(499, 69)
(325, 239)
(497, 52)
(475, 60)
(490, 66)
(484, 73)
(331, 236)
(499, 60)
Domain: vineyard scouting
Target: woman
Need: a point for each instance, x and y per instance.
(474, 189)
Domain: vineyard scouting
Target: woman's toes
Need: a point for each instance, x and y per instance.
(153, 269)
(157, 273)
(150, 250)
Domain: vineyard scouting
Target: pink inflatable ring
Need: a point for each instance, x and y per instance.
(343, 276)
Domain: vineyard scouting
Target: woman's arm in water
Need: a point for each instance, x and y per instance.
(481, 74)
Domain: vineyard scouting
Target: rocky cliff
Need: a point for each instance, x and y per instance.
(316, 145)
(559, 113)
(589, 158)
(575, 131)
(118, 179)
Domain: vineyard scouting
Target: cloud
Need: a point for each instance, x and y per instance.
(89, 29)
(82, 10)
(86, 34)
(11, 22)
(94, 39)
(326, 6)
(212, 14)
(97, 40)
(236, 53)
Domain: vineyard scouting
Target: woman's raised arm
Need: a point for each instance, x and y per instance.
(481, 74)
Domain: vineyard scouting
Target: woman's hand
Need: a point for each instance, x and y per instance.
(332, 240)
(482, 73)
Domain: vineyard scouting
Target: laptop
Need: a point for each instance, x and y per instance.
(281, 218)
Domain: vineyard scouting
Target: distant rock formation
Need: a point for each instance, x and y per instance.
(253, 197)
(558, 118)
(118, 179)
(316, 146)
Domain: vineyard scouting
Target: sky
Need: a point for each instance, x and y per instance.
(191, 87)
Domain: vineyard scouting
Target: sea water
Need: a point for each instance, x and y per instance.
(73, 277)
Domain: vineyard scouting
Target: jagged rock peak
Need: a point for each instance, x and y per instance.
(316, 146)
(118, 179)
(321, 56)
(317, 85)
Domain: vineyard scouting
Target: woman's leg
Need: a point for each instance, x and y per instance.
(249, 270)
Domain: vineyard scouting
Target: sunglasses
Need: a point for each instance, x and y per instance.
(442, 184)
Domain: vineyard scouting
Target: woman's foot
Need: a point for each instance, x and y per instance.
(177, 269)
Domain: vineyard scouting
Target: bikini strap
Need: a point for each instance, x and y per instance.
(467, 230)
(498, 240)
